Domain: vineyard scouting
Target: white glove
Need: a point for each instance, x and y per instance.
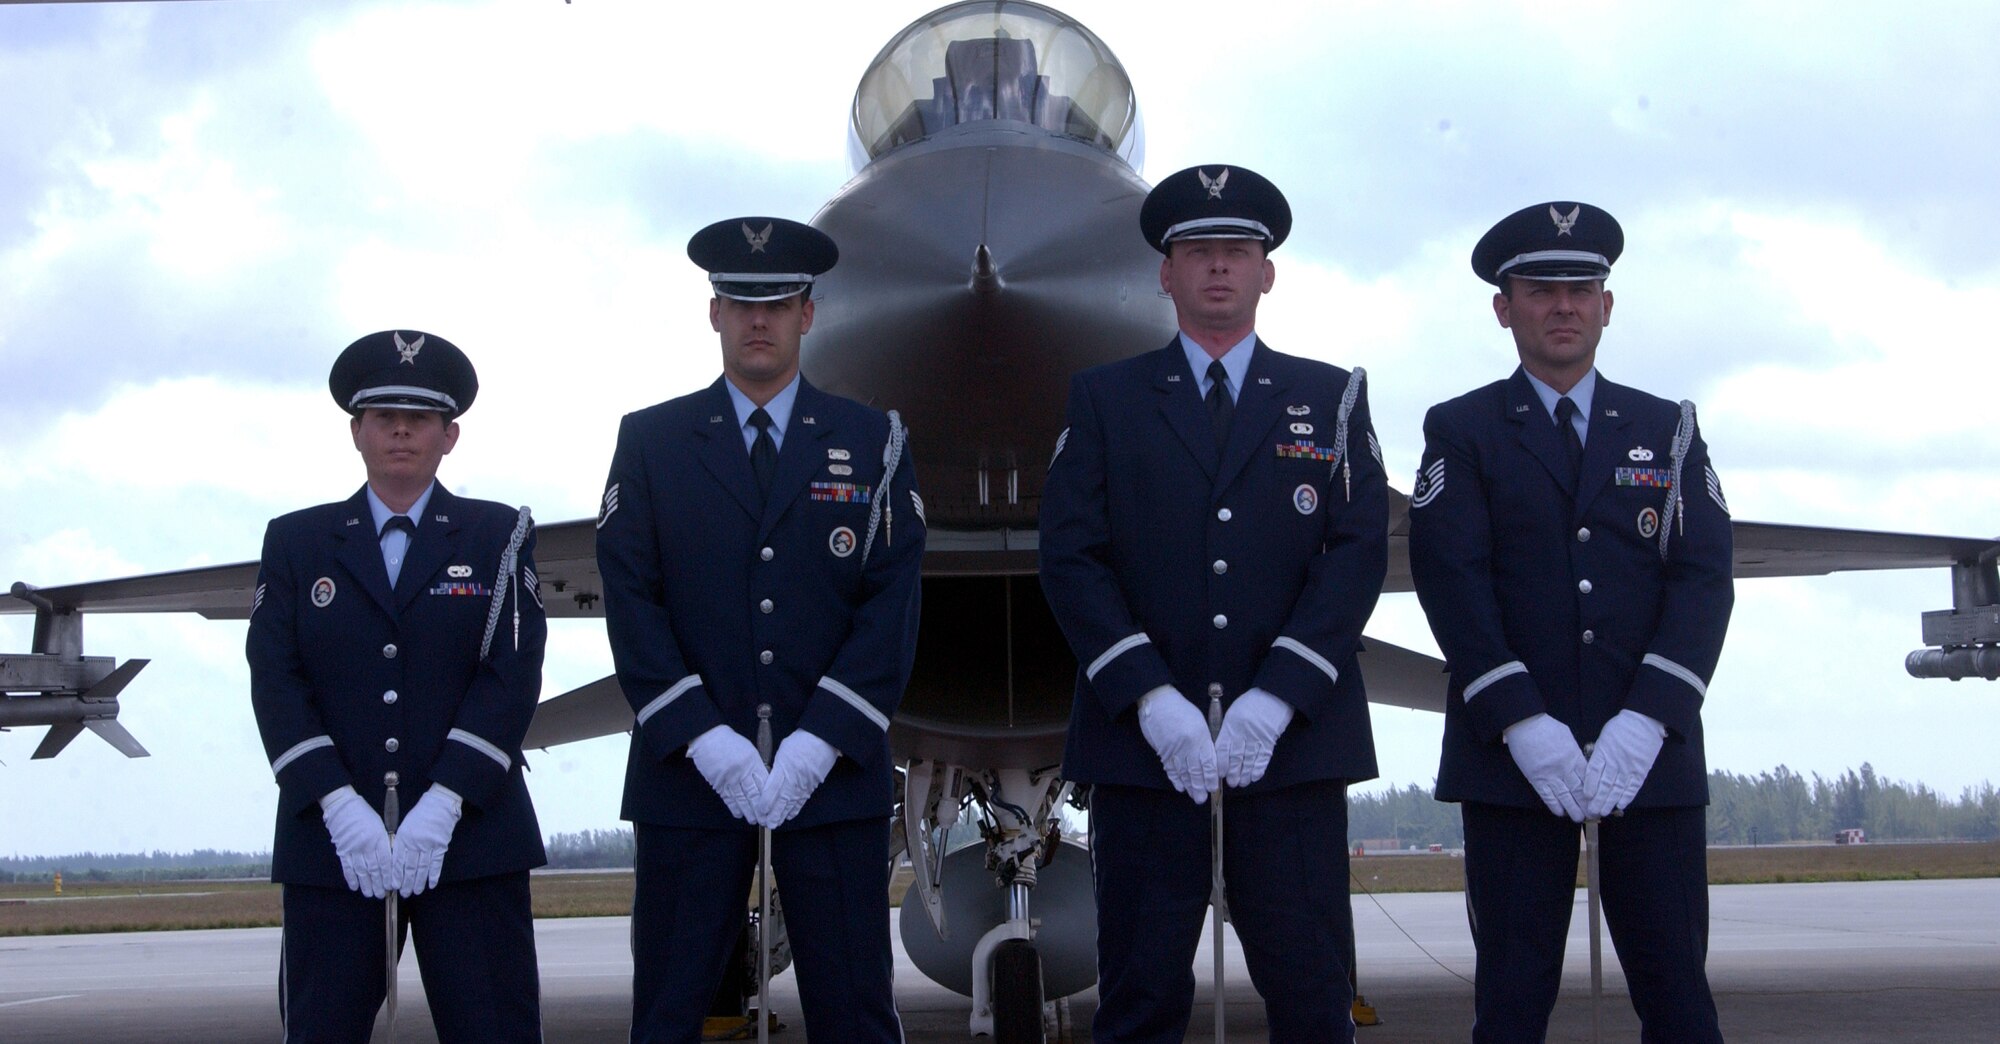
(1250, 731)
(801, 764)
(732, 767)
(1547, 754)
(1179, 734)
(360, 841)
(1619, 763)
(422, 838)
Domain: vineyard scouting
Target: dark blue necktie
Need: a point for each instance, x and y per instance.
(1572, 442)
(763, 451)
(1220, 406)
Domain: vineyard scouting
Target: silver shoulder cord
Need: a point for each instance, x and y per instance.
(510, 576)
(1347, 400)
(1683, 438)
(880, 511)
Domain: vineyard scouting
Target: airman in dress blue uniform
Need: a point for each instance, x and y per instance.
(760, 542)
(400, 632)
(1571, 546)
(1216, 523)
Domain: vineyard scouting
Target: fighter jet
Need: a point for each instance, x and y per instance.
(989, 251)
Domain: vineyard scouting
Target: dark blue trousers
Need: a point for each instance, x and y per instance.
(1285, 868)
(1520, 885)
(689, 904)
(475, 948)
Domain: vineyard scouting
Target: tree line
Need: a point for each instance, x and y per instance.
(1768, 808)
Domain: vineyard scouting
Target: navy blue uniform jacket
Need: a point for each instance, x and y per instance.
(1548, 599)
(343, 669)
(1168, 563)
(716, 603)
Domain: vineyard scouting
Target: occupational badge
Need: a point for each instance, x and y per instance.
(841, 542)
(322, 593)
(838, 454)
(1649, 523)
(1639, 453)
(458, 572)
(1301, 428)
(839, 469)
(1305, 498)
(1298, 411)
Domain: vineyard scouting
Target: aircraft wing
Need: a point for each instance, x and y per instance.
(566, 560)
(1773, 549)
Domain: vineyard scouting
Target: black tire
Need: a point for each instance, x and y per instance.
(1017, 993)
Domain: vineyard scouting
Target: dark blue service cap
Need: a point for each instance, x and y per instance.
(762, 258)
(1215, 203)
(1563, 241)
(403, 370)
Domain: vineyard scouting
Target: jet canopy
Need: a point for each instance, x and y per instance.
(988, 60)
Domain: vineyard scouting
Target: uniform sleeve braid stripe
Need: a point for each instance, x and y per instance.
(868, 710)
(1694, 680)
(1311, 657)
(660, 702)
(298, 751)
(1479, 684)
(483, 747)
(1118, 648)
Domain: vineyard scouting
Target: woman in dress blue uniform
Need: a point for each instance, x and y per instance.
(760, 542)
(1571, 546)
(1216, 520)
(374, 651)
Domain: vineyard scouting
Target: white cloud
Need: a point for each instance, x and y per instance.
(204, 202)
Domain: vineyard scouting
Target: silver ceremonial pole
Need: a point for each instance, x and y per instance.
(390, 814)
(764, 891)
(1217, 901)
(1590, 885)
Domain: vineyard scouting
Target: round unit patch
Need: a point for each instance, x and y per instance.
(322, 594)
(1305, 498)
(840, 542)
(1649, 523)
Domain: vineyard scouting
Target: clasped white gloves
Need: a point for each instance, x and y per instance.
(1624, 754)
(1547, 754)
(732, 768)
(1179, 734)
(801, 764)
(423, 836)
(1250, 731)
(360, 840)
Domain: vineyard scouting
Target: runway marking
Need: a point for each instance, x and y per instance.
(38, 1000)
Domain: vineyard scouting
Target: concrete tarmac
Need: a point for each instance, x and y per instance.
(1877, 961)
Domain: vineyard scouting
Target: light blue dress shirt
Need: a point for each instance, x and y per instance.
(780, 409)
(1235, 362)
(396, 543)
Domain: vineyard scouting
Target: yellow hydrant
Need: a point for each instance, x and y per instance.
(59, 882)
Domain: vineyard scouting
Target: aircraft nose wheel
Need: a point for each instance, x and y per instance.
(1017, 994)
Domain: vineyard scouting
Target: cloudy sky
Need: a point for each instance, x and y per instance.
(200, 203)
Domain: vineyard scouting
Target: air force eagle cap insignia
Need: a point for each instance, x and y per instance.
(762, 258)
(403, 370)
(1563, 240)
(1215, 202)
